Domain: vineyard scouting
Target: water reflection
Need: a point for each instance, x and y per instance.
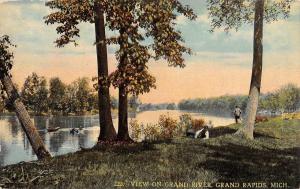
(15, 146)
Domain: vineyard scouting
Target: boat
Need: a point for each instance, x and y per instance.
(53, 129)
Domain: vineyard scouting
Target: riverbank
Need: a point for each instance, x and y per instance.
(273, 157)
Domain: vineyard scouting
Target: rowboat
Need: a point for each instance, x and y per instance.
(53, 129)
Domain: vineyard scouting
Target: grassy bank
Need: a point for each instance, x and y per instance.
(272, 157)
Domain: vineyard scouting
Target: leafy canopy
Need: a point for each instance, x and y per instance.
(232, 14)
(145, 30)
(6, 56)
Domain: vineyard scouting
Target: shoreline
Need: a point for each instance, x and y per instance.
(223, 158)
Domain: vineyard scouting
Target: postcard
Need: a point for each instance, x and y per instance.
(158, 94)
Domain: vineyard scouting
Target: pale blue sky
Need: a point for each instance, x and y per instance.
(213, 53)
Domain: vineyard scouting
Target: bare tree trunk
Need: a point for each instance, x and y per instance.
(24, 118)
(123, 133)
(107, 130)
(252, 105)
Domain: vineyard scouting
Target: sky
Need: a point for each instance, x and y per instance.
(221, 62)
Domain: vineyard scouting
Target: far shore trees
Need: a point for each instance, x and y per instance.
(232, 15)
(56, 95)
(35, 94)
(6, 63)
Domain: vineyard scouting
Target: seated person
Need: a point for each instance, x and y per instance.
(202, 133)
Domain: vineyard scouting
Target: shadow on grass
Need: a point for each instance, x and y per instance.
(131, 148)
(237, 163)
(220, 131)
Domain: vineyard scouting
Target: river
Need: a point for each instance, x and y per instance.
(14, 146)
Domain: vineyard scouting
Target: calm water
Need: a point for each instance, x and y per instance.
(15, 147)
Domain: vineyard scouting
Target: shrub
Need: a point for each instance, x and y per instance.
(168, 126)
(136, 130)
(152, 132)
(185, 122)
(259, 118)
(197, 124)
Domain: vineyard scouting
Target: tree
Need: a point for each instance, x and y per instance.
(171, 106)
(6, 63)
(35, 93)
(69, 14)
(232, 14)
(70, 102)
(289, 97)
(83, 94)
(92, 101)
(270, 102)
(157, 19)
(78, 96)
(56, 94)
(127, 18)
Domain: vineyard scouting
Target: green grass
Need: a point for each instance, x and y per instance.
(272, 157)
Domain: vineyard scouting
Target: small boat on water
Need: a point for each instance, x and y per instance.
(74, 131)
(53, 129)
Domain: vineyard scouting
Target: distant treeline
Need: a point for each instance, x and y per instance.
(162, 106)
(76, 98)
(286, 99)
(80, 98)
(57, 97)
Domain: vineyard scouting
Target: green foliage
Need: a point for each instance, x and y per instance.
(233, 14)
(223, 104)
(56, 94)
(6, 63)
(287, 99)
(127, 18)
(168, 126)
(78, 97)
(136, 130)
(185, 122)
(161, 106)
(34, 94)
(6, 56)
(171, 106)
(68, 15)
(152, 132)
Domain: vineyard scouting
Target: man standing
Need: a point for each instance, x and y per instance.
(237, 113)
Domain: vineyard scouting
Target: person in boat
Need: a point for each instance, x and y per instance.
(74, 131)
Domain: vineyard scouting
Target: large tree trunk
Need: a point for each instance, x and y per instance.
(107, 130)
(123, 133)
(24, 118)
(249, 121)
